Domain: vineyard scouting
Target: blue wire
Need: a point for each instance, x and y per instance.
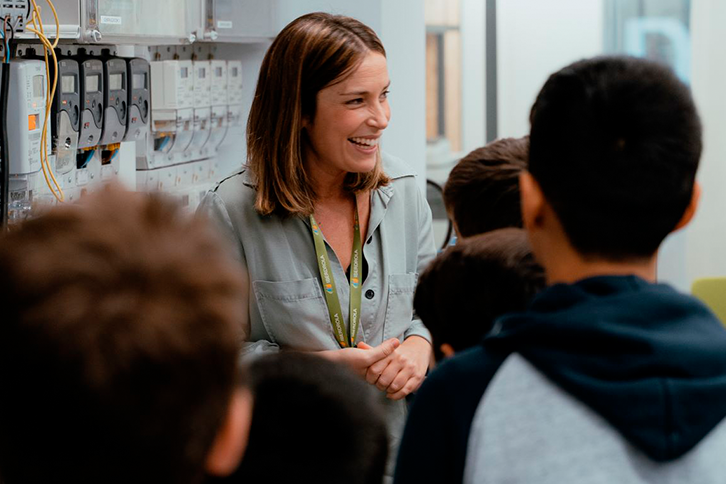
(5, 44)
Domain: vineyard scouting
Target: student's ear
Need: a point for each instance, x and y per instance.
(231, 440)
(532, 199)
(691, 208)
(447, 350)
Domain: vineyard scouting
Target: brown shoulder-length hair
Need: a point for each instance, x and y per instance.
(312, 52)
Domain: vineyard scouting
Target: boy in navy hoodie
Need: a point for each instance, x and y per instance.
(608, 376)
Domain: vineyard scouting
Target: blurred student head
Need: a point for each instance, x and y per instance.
(118, 346)
(314, 421)
(482, 192)
(614, 147)
(467, 287)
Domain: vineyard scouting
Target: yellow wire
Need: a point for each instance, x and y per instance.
(36, 21)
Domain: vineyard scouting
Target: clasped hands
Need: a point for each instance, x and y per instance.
(394, 367)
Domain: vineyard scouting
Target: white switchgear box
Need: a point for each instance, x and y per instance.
(172, 85)
(172, 104)
(202, 84)
(219, 82)
(234, 82)
(218, 120)
(26, 114)
(202, 104)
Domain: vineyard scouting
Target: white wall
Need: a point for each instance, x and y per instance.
(534, 39)
(704, 241)
(400, 25)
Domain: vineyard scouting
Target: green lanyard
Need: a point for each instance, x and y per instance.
(331, 293)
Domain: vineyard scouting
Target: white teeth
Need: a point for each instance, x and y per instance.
(365, 141)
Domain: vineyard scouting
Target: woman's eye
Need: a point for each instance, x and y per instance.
(384, 94)
(355, 101)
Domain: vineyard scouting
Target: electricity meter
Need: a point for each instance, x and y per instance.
(115, 99)
(66, 115)
(26, 104)
(139, 98)
(91, 76)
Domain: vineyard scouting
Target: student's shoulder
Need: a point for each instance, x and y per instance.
(463, 377)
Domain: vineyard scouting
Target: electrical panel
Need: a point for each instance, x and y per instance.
(138, 83)
(27, 106)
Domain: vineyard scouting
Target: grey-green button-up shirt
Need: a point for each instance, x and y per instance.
(287, 307)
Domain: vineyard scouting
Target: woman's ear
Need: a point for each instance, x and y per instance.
(691, 208)
(532, 200)
(231, 440)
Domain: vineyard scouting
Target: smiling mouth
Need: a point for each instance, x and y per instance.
(364, 142)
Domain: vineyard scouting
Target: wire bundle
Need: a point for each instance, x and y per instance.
(7, 33)
(35, 25)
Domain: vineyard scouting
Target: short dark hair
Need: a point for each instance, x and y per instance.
(468, 286)
(615, 145)
(118, 343)
(482, 192)
(314, 421)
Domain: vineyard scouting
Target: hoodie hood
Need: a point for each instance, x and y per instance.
(649, 360)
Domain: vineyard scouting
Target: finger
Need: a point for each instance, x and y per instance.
(392, 371)
(400, 381)
(409, 388)
(372, 375)
(382, 350)
(376, 369)
(363, 346)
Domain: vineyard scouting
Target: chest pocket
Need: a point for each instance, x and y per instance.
(399, 310)
(295, 315)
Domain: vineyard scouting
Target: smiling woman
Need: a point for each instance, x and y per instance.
(331, 232)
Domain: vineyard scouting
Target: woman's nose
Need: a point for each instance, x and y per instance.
(379, 117)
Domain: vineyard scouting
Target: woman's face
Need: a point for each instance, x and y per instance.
(350, 117)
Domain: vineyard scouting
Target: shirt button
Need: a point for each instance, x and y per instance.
(370, 294)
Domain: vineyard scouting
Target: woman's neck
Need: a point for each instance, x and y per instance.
(328, 184)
